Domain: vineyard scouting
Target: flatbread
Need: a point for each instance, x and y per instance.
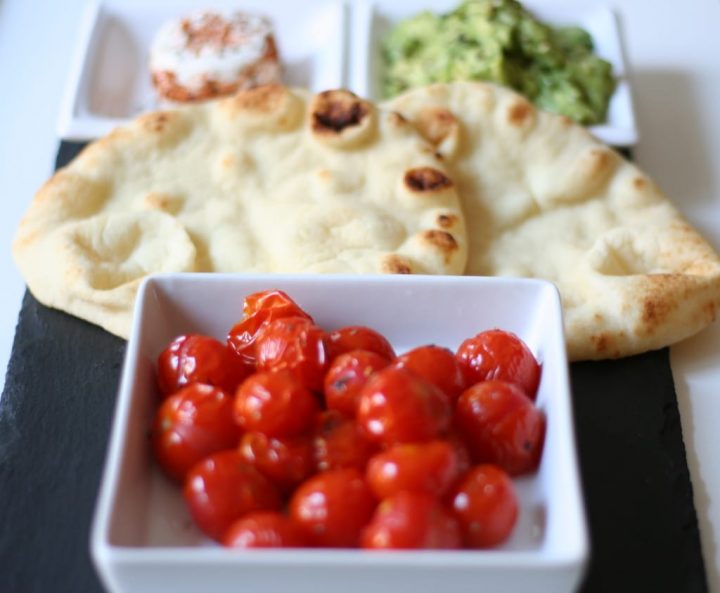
(270, 180)
(545, 199)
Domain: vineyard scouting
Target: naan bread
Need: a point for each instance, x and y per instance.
(544, 199)
(270, 180)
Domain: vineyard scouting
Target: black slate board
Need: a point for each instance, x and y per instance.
(57, 408)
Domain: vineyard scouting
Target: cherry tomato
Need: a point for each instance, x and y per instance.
(284, 461)
(501, 426)
(486, 506)
(199, 359)
(411, 520)
(259, 310)
(417, 467)
(190, 425)
(347, 375)
(264, 529)
(397, 406)
(296, 345)
(339, 444)
(276, 404)
(500, 355)
(462, 452)
(273, 299)
(358, 337)
(222, 488)
(436, 365)
(332, 508)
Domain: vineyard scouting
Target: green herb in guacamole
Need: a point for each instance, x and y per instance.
(499, 41)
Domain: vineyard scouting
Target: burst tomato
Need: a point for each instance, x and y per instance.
(501, 425)
(259, 310)
(296, 345)
(190, 425)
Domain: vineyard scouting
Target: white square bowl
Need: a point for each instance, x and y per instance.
(143, 539)
(373, 20)
(109, 81)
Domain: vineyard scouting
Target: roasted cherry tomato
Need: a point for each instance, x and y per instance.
(500, 355)
(199, 359)
(190, 425)
(332, 508)
(358, 337)
(264, 529)
(284, 461)
(462, 452)
(411, 520)
(502, 426)
(397, 406)
(259, 310)
(222, 488)
(338, 443)
(273, 299)
(436, 365)
(347, 375)
(276, 404)
(486, 506)
(417, 467)
(294, 344)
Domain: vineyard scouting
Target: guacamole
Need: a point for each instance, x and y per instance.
(500, 41)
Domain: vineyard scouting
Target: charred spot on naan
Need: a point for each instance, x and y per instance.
(426, 181)
(442, 241)
(395, 264)
(447, 221)
(339, 118)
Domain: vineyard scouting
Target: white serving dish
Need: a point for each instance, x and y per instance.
(372, 20)
(144, 541)
(109, 81)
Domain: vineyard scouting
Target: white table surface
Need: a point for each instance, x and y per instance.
(673, 53)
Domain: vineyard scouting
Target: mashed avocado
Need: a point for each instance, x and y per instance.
(500, 41)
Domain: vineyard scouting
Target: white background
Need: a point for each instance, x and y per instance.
(673, 54)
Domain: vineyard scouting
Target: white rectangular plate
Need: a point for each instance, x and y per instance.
(373, 20)
(144, 541)
(110, 78)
